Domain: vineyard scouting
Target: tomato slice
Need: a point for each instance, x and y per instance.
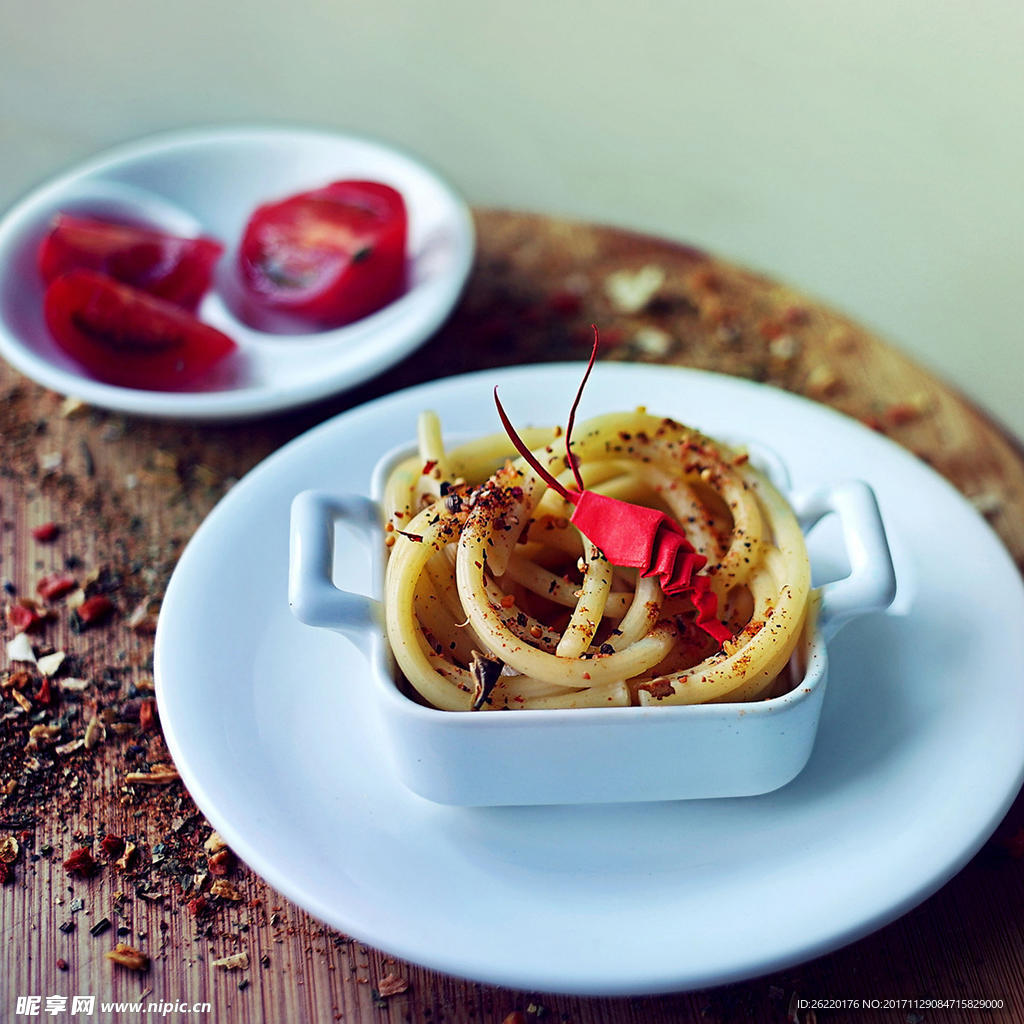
(125, 336)
(328, 256)
(176, 269)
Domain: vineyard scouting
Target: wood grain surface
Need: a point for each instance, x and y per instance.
(126, 494)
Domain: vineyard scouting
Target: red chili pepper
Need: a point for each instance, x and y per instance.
(631, 535)
(197, 906)
(46, 533)
(57, 584)
(23, 619)
(81, 863)
(95, 609)
(44, 696)
(112, 846)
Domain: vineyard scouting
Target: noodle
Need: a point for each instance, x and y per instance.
(495, 600)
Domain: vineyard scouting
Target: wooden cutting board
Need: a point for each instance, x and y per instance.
(127, 494)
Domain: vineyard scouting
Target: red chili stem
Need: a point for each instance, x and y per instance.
(520, 446)
(572, 412)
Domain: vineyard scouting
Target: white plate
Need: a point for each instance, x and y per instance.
(917, 759)
(209, 182)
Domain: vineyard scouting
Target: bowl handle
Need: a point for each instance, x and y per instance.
(312, 595)
(871, 584)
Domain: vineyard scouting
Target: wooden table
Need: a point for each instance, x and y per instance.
(127, 494)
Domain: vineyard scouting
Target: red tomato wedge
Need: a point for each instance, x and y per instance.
(124, 336)
(328, 256)
(176, 269)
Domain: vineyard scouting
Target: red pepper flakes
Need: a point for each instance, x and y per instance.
(147, 714)
(112, 846)
(45, 694)
(221, 863)
(428, 467)
(55, 585)
(62, 964)
(6, 873)
(94, 610)
(81, 863)
(23, 618)
(46, 533)
(197, 906)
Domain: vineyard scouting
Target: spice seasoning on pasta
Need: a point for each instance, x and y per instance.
(581, 630)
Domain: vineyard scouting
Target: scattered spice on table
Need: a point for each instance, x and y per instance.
(81, 863)
(234, 962)
(46, 533)
(112, 846)
(129, 957)
(91, 612)
(157, 775)
(392, 985)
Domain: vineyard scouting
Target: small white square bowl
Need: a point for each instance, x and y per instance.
(589, 755)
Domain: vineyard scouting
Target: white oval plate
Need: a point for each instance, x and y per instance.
(917, 759)
(209, 182)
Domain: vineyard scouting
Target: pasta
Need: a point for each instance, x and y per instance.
(495, 600)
